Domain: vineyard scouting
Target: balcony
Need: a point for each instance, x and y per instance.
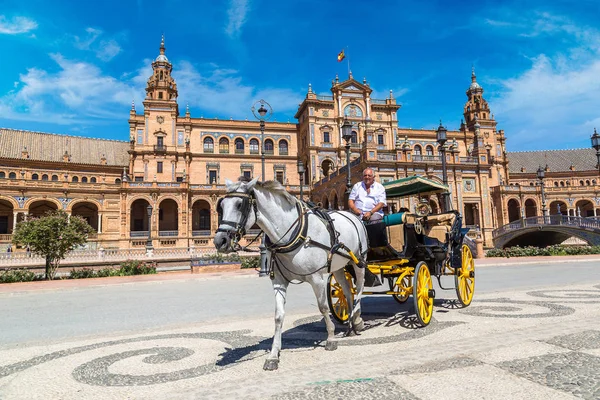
(426, 158)
(204, 232)
(5, 238)
(239, 151)
(160, 148)
(137, 234)
(168, 233)
(254, 151)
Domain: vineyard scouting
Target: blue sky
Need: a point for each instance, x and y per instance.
(74, 67)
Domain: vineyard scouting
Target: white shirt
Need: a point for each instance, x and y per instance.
(364, 201)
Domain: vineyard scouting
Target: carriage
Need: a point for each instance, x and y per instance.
(406, 249)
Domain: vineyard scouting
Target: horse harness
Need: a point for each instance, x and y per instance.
(299, 232)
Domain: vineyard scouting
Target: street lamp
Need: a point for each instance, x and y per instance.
(541, 174)
(441, 139)
(300, 175)
(149, 240)
(596, 146)
(263, 113)
(347, 135)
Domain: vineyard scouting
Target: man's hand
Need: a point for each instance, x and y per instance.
(367, 215)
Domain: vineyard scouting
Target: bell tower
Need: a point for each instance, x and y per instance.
(161, 89)
(476, 104)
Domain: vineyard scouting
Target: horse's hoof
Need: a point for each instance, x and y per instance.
(331, 345)
(359, 326)
(271, 365)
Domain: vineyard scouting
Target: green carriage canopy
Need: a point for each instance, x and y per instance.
(412, 185)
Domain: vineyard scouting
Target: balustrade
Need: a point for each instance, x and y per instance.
(581, 222)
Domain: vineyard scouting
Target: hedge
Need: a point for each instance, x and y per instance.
(530, 251)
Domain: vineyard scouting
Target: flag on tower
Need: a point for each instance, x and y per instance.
(341, 56)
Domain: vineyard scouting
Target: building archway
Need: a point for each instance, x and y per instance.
(138, 217)
(530, 208)
(88, 211)
(168, 218)
(558, 207)
(335, 202)
(6, 217)
(585, 208)
(514, 210)
(201, 218)
(325, 203)
(40, 208)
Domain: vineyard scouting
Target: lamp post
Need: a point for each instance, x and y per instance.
(263, 113)
(596, 146)
(541, 173)
(300, 175)
(347, 135)
(441, 139)
(149, 240)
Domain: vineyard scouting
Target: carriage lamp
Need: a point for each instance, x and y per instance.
(300, 175)
(441, 138)
(596, 146)
(541, 174)
(149, 240)
(347, 135)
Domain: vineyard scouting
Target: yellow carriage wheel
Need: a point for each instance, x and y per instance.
(336, 299)
(423, 293)
(465, 277)
(403, 288)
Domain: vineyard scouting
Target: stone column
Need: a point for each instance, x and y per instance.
(99, 222)
(15, 215)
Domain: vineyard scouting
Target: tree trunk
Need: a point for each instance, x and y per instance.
(47, 268)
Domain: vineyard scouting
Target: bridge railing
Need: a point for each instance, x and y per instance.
(581, 222)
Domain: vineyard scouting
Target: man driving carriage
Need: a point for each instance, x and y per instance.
(367, 197)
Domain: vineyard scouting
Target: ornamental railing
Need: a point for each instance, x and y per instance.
(562, 220)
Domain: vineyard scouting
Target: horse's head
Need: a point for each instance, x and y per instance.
(237, 214)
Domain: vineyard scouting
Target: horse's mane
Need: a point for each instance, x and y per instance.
(273, 187)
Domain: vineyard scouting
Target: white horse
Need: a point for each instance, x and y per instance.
(298, 248)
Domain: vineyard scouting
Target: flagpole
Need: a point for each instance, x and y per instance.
(348, 57)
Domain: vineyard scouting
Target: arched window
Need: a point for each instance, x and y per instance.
(118, 180)
(268, 146)
(581, 183)
(209, 145)
(418, 151)
(429, 150)
(55, 177)
(587, 183)
(223, 146)
(354, 137)
(2, 174)
(254, 146)
(556, 184)
(239, 146)
(34, 177)
(12, 175)
(530, 183)
(562, 183)
(84, 179)
(93, 180)
(44, 177)
(283, 147)
(75, 179)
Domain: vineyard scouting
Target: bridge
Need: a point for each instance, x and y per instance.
(542, 231)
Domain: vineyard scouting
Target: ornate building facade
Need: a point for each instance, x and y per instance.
(165, 180)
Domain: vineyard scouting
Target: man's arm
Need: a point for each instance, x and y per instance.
(353, 208)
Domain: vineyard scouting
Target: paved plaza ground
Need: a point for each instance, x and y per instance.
(538, 342)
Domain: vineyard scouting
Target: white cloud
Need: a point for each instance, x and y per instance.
(78, 92)
(222, 91)
(16, 25)
(555, 102)
(236, 17)
(105, 50)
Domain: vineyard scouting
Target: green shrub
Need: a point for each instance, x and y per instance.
(108, 271)
(17, 275)
(555, 250)
(137, 267)
(251, 262)
(82, 273)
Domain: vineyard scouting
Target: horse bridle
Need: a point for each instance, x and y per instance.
(238, 229)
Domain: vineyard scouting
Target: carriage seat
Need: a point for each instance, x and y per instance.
(437, 226)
